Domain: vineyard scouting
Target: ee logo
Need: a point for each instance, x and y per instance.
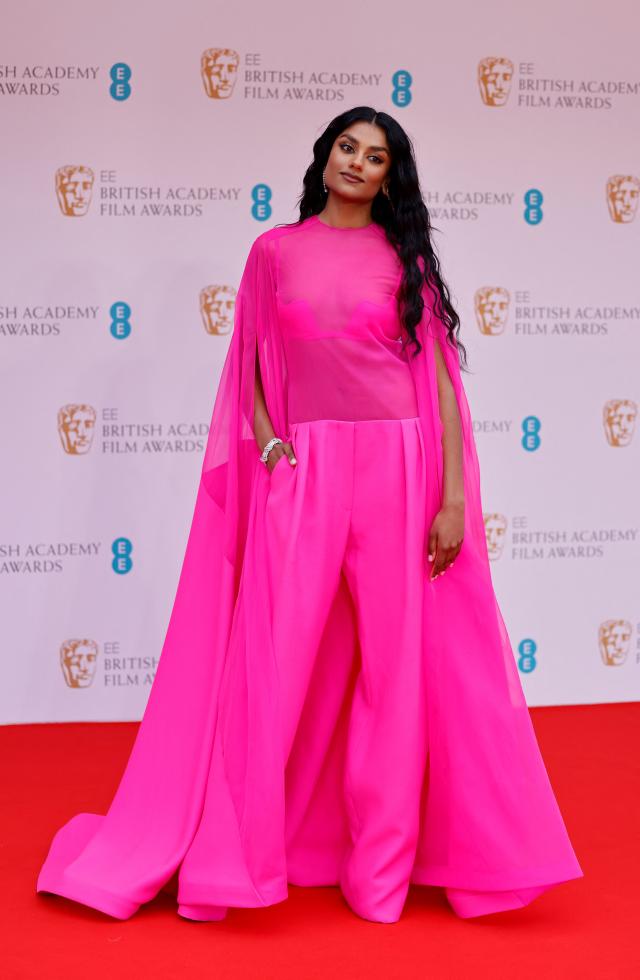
(120, 326)
(120, 88)
(531, 433)
(401, 81)
(122, 549)
(261, 196)
(532, 213)
(527, 656)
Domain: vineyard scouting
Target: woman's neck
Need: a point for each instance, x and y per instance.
(343, 214)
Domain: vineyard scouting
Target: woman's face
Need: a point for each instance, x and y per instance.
(362, 152)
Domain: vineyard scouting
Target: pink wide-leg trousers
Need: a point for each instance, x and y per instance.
(356, 508)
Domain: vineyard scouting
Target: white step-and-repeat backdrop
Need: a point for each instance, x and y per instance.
(146, 146)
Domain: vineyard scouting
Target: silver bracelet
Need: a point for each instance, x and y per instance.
(267, 449)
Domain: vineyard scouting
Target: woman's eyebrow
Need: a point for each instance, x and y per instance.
(381, 149)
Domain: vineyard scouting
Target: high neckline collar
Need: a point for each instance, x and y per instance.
(318, 220)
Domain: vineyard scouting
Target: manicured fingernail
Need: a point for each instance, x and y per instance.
(293, 461)
(430, 557)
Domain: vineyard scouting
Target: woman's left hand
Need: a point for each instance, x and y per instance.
(445, 538)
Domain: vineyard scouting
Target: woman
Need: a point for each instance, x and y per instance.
(337, 700)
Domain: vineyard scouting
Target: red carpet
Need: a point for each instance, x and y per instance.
(589, 928)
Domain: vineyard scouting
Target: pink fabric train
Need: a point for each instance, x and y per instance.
(210, 798)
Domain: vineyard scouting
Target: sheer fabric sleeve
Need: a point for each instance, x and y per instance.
(433, 330)
(231, 454)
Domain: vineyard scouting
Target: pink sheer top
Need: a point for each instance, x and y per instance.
(341, 332)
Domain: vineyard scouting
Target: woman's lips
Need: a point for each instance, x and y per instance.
(351, 178)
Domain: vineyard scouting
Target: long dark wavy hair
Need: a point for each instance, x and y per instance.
(403, 215)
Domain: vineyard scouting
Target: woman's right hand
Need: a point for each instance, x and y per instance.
(281, 449)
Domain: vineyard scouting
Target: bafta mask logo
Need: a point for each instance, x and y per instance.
(78, 660)
(614, 639)
(217, 305)
(494, 79)
(495, 529)
(74, 186)
(219, 69)
(619, 417)
(622, 197)
(492, 309)
(76, 425)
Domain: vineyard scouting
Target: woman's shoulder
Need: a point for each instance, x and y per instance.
(278, 231)
(264, 244)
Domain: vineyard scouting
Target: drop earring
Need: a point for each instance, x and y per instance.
(324, 186)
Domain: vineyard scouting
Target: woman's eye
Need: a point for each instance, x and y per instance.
(347, 146)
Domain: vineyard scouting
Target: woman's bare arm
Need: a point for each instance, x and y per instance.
(263, 428)
(453, 485)
(447, 530)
